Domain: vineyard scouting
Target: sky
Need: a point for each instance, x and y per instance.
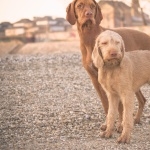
(14, 10)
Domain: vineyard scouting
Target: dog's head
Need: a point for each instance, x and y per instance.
(84, 12)
(109, 49)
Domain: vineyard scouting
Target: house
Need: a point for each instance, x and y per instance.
(15, 31)
(48, 24)
(50, 28)
(60, 25)
(3, 27)
(118, 14)
(19, 28)
(39, 29)
(42, 21)
(25, 23)
(115, 14)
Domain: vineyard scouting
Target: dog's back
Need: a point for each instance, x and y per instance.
(133, 39)
(140, 61)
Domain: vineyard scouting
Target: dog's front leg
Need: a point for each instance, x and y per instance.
(93, 73)
(111, 116)
(119, 124)
(127, 123)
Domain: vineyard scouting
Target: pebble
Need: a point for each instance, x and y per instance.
(48, 102)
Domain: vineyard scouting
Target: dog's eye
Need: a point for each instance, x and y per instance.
(80, 6)
(104, 43)
(117, 42)
(93, 6)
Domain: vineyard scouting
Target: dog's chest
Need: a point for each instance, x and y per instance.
(109, 80)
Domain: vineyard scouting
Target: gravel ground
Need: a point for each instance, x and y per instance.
(47, 102)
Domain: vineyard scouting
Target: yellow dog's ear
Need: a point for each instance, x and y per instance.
(122, 47)
(97, 56)
(98, 15)
(70, 16)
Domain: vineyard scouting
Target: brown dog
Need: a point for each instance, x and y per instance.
(87, 15)
(121, 74)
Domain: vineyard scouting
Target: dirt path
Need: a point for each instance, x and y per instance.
(48, 103)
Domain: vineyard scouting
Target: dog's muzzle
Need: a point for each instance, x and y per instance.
(88, 23)
(114, 62)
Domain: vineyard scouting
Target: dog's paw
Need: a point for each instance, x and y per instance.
(103, 127)
(136, 120)
(106, 134)
(119, 128)
(124, 139)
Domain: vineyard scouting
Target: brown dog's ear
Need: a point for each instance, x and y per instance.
(98, 15)
(97, 56)
(70, 16)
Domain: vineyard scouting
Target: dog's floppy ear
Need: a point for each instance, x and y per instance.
(122, 47)
(98, 15)
(97, 56)
(70, 16)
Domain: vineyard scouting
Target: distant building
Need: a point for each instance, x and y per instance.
(37, 30)
(19, 28)
(3, 27)
(60, 25)
(25, 23)
(118, 14)
(42, 21)
(15, 31)
(49, 24)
